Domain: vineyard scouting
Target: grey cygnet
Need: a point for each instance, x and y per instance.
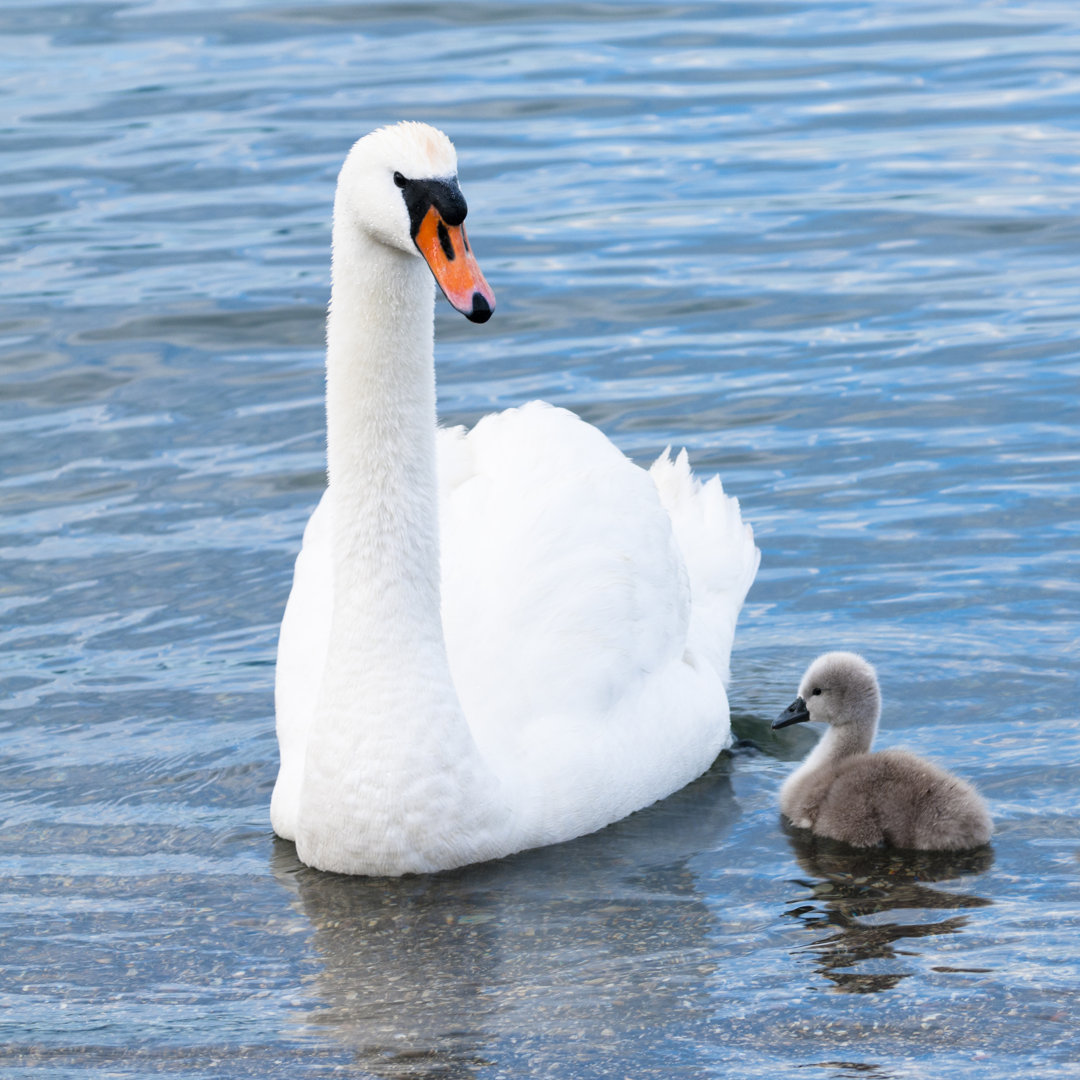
(844, 792)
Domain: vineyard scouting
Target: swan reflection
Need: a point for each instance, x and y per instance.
(544, 955)
(848, 885)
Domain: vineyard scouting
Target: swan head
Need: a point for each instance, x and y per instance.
(839, 689)
(399, 185)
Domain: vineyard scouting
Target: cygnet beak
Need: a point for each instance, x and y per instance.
(795, 713)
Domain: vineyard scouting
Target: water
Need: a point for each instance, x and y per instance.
(831, 247)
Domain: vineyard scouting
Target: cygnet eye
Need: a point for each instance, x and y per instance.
(815, 691)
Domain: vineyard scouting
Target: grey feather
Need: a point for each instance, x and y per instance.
(845, 792)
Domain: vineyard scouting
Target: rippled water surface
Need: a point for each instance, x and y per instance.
(831, 247)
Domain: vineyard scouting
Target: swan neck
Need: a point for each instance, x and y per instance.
(380, 394)
(846, 741)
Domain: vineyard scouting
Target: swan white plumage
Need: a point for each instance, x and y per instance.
(495, 639)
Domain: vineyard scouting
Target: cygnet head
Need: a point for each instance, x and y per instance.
(839, 689)
(399, 186)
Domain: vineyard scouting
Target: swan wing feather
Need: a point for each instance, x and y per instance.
(562, 582)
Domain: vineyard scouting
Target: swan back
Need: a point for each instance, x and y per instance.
(569, 602)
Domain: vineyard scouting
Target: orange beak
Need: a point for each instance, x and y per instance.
(446, 249)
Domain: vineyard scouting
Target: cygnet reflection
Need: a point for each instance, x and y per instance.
(849, 889)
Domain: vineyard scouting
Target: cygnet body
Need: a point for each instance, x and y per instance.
(844, 792)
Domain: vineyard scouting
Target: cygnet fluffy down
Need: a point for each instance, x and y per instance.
(844, 792)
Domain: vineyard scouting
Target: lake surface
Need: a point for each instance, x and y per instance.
(832, 248)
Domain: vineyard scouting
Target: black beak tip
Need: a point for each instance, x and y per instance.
(481, 309)
(795, 713)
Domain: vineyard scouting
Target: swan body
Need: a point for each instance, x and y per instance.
(495, 639)
(845, 792)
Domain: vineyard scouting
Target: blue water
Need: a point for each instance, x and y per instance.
(831, 247)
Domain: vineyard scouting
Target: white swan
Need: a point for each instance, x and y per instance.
(548, 675)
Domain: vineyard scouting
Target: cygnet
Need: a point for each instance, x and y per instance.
(844, 792)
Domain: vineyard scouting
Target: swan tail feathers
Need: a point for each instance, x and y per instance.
(719, 550)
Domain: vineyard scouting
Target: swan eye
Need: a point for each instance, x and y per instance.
(815, 691)
(400, 180)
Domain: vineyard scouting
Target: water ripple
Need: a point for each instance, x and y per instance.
(830, 247)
